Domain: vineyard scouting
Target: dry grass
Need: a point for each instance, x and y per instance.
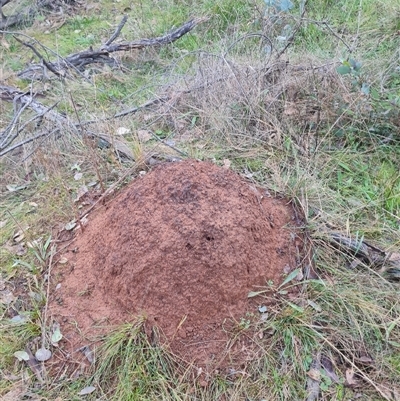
(292, 124)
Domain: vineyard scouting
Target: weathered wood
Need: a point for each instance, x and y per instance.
(61, 122)
(80, 60)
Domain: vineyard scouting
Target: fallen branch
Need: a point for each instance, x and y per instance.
(80, 60)
(27, 100)
(364, 252)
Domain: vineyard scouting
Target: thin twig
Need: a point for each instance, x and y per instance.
(293, 35)
(50, 66)
(7, 132)
(155, 136)
(33, 138)
(46, 307)
(324, 23)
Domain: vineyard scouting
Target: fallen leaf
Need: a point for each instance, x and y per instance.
(14, 188)
(87, 390)
(329, 368)
(144, 135)
(366, 360)
(70, 226)
(7, 298)
(18, 319)
(81, 192)
(88, 353)
(123, 131)
(227, 164)
(314, 374)
(63, 260)
(21, 355)
(262, 309)
(78, 176)
(350, 381)
(43, 354)
(34, 365)
(56, 336)
(19, 237)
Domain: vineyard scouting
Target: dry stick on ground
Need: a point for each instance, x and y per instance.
(364, 252)
(77, 61)
(14, 95)
(102, 55)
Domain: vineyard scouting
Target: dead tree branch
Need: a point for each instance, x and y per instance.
(117, 31)
(62, 123)
(80, 60)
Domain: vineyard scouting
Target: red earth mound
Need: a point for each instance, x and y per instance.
(183, 245)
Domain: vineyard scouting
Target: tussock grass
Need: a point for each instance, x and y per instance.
(291, 124)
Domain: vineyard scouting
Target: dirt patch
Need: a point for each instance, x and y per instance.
(183, 245)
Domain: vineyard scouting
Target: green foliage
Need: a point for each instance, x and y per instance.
(369, 184)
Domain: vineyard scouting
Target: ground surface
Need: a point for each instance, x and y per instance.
(183, 245)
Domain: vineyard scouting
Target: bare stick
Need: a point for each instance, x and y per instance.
(6, 136)
(31, 139)
(41, 58)
(117, 31)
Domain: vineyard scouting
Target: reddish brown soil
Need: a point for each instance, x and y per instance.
(183, 245)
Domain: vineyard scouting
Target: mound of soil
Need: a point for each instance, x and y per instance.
(183, 245)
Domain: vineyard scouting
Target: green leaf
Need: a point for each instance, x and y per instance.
(46, 245)
(23, 263)
(21, 355)
(296, 307)
(356, 65)
(375, 94)
(345, 167)
(290, 277)
(365, 88)
(56, 336)
(343, 69)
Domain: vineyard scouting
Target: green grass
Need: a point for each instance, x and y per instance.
(342, 173)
